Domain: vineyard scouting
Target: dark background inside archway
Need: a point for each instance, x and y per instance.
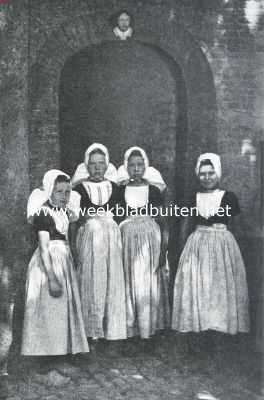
(124, 94)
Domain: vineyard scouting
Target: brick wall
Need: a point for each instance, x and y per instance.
(159, 29)
(13, 126)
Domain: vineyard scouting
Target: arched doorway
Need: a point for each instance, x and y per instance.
(124, 94)
(175, 51)
(177, 125)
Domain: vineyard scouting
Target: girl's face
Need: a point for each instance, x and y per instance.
(136, 167)
(208, 178)
(123, 22)
(61, 194)
(97, 167)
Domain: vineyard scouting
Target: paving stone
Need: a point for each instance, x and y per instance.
(119, 381)
(52, 397)
(31, 396)
(93, 368)
(154, 396)
(115, 371)
(87, 382)
(69, 370)
(138, 377)
(14, 398)
(53, 378)
(148, 379)
(88, 386)
(175, 391)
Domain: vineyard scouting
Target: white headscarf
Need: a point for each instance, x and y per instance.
(49, 181)
(151, 174)
(39, 196)
(215, 160)
(123, 35)
(82, 173)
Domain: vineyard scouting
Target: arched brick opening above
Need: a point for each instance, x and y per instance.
(89, 30)
(122, 95)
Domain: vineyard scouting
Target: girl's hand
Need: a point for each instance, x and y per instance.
(55, 288)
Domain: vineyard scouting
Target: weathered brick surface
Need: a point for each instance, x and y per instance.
(165, 32)
(14, 179)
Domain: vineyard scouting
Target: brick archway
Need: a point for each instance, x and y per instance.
(88, 30)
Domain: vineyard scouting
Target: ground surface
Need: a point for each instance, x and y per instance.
(164, 369)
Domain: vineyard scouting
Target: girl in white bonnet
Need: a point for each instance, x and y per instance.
(210, 290)
(98, 248)
(53, 323)
(145, 240)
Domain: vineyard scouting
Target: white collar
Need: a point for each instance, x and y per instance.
(209, 203)
(123, 35)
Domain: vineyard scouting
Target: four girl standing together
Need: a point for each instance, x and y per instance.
(118, 289)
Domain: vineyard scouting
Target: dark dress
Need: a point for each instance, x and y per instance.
(100, 267)
(53, 326)
(210, 290)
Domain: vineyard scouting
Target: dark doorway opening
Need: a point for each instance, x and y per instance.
(122, 95)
